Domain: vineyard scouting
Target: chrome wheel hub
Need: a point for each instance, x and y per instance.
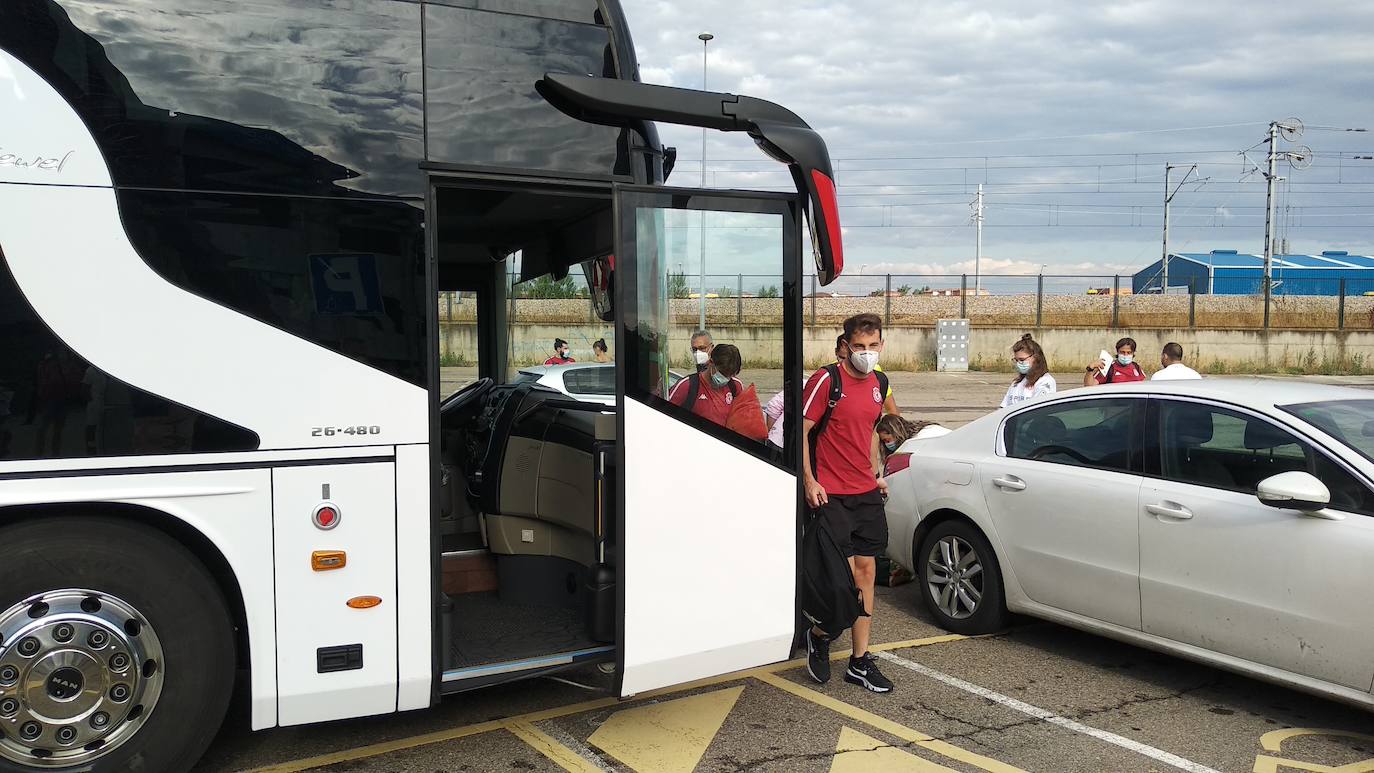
(80, 671)
(954, 577)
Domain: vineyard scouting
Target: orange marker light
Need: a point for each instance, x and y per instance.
(325, 560)
(364, 602)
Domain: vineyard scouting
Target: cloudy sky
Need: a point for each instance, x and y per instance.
(1067, 112)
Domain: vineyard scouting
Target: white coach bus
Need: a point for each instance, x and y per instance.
(225, 450)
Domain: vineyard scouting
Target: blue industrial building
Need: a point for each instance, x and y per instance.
(1227, 272)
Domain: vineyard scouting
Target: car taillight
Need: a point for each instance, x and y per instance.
(898, 462)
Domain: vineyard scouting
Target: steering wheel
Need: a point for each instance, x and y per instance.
(1043, 451)
(466, 398)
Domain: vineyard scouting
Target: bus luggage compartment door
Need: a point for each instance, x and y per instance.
(334, 606)
(707, 522)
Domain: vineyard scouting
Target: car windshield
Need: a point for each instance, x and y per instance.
(1349, 421)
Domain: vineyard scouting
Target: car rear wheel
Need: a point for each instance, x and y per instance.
(960, 579)
(116, 648)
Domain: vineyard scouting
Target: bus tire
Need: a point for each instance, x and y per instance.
(93, 613)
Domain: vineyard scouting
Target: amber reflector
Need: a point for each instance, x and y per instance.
(364, 602)
(325, 560)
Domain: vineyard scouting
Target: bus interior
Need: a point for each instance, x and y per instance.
(523, 492)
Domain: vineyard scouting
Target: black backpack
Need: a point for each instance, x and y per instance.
(836, 392)
(694, 389)
(829, 598)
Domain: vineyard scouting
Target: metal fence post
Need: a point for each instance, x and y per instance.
(1116, 301)
(963, 296)
(813, 300)
(887, 303)
(1039, 299)
(1192, 301)
(1340, 307)
(450, 306)
(739, 301)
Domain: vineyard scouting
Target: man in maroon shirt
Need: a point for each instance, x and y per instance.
(847, 488)
(560, 353)
(717, 386)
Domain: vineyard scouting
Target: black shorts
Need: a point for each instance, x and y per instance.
(858, 522)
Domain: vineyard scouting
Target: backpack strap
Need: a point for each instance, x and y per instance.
(835, 393)
(693, 389)
(882, 387)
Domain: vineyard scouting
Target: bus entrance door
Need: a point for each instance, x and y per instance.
(707, 520)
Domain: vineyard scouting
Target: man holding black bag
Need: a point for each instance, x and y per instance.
(842, 476)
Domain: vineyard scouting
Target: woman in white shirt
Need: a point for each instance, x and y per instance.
(1033, 378)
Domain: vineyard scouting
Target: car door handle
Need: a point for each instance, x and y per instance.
(1176, 512)
(1009, 483)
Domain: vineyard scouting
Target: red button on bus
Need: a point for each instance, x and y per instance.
(326, 516)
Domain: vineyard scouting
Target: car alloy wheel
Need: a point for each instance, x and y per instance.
(954, 578)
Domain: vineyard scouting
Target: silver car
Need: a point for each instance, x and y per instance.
(1227, 521)
(590, 382)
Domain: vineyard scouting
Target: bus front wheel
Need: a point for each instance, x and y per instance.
(116, 648)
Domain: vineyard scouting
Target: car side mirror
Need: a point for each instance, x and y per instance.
(1299, 491)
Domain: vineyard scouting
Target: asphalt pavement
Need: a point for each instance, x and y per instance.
(1036, 697)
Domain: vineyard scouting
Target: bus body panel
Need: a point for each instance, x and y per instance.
(79, 277)
(710, 552)
(231, 508)
(414, 579)
(313, 611)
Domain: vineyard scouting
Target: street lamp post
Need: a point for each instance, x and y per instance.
(705, 38)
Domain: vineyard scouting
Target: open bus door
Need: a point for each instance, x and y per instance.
(706, 524)
(707, 530)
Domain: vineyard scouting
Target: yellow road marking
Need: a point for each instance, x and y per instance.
(545, 744)
(857, 753)
(669, 737)
(1273, 741)
(888, 726)
(440, 736)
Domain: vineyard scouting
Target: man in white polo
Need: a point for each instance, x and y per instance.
(1172, 367)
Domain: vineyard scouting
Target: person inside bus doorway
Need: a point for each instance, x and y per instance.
(701, 349)
(711, 392)
(560, 353)
(1121, 370)
(846, 486)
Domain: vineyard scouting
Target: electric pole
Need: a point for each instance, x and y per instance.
(978, 249)
(1271, 179)
(1168, 197)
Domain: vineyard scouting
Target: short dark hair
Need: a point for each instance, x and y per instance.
(862, 323)
(1174, 351)
(839, 341)
(557, 342)
(727, 359)
(599, 343)
(1127, 341)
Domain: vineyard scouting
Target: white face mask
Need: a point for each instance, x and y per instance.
(700, 357)
(1125, 359)
(864, 362)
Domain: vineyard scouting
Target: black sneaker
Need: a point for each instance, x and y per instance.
(817, 657)
(864, 672)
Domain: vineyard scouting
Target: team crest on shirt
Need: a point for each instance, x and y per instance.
(877, 395)
(729, 398)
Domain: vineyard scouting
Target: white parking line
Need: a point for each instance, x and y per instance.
(1158, 755)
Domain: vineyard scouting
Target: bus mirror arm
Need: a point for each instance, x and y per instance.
(778, 132)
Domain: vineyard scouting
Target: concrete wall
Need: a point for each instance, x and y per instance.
(913, 348)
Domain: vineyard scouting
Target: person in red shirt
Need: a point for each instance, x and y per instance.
(846, 487)
(560, 353)
(1121, 370)
(716, 387)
